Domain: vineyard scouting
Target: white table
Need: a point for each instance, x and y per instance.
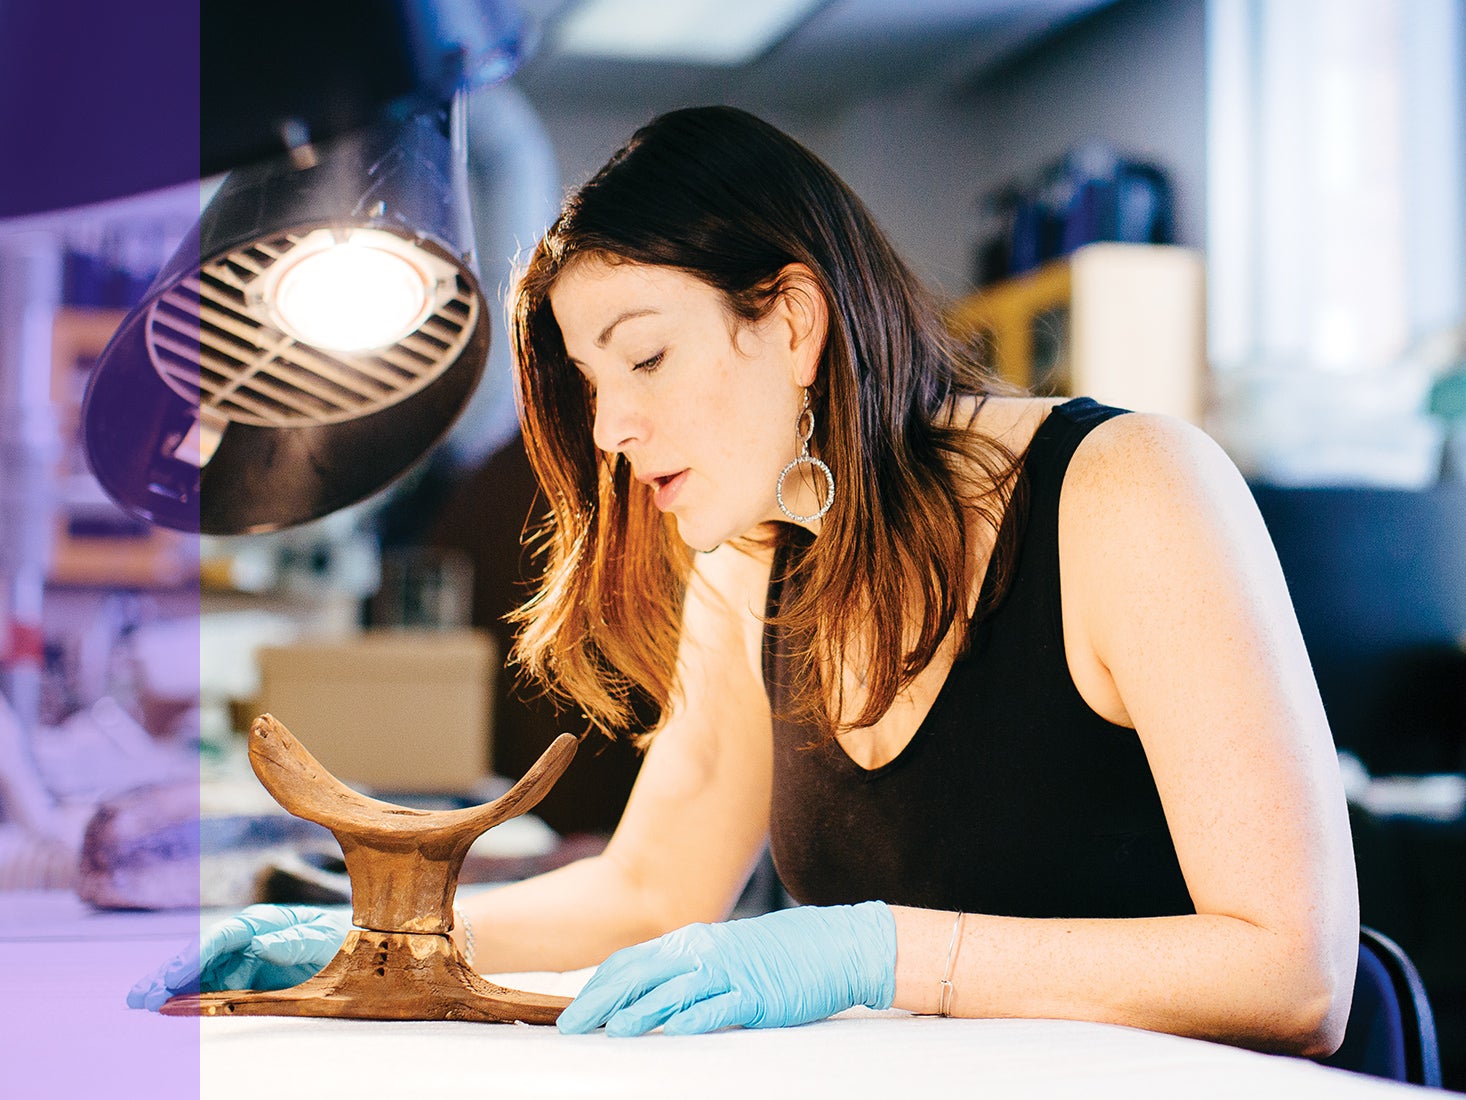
(67, 1033)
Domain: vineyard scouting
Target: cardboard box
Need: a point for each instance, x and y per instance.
(391, 710)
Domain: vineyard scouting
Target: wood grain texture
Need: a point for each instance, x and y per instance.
(399, 962)
(386, 976)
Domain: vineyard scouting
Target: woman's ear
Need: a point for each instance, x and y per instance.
(807, 313)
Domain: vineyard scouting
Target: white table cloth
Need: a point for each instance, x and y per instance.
(67, 1033)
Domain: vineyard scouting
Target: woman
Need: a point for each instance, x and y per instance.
(1011, 686)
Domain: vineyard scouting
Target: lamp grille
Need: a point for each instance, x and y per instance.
(213, 346)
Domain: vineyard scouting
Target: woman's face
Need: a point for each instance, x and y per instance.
(704, 408)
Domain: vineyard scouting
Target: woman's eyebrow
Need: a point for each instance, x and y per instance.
(605, 335)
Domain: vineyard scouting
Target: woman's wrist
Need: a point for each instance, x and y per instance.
(929, 952)
(947, 992)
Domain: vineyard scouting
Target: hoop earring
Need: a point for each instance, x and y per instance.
(804, 427)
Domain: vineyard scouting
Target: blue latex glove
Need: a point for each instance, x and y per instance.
(262, 947)
(778, 970)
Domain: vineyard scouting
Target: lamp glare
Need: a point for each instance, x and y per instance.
(351, 297)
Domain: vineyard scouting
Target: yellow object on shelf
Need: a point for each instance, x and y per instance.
(1128, 322)
(1001, 317)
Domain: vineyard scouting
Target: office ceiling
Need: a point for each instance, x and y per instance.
(847, 51)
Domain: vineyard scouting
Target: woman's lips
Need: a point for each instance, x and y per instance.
(667, 488)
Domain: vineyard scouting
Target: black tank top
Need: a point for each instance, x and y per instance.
(1013, 798)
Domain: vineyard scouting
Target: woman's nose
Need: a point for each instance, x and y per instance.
(617, 423)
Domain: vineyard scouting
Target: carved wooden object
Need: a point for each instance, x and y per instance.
(399, 962)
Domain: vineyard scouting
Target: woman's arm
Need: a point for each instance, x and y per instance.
(698, 814)
(1177, 622)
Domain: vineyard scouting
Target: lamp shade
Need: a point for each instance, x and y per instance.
(312, 338)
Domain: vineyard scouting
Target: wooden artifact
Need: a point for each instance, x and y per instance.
(398, 962)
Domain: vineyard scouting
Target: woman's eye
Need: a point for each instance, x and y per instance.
(651, 363)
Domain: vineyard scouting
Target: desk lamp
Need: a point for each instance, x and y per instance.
(316, 333)
(322, 325)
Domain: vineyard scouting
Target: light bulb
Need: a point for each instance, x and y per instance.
(351, 296)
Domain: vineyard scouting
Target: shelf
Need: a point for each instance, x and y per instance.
(1123, 323)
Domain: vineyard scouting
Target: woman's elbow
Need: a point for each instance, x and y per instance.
(1313, 1023)
(1320, 1030)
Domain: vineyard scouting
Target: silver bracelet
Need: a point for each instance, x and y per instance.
(944, 999)
(468, 947)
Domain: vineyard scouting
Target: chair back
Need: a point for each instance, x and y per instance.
(1391, 1029)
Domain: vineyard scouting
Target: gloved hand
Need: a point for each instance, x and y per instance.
(784, 968)
(262, 947)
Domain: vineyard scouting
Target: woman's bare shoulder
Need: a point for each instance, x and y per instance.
(1154, 500)
(1161, 545)
(1149, 455)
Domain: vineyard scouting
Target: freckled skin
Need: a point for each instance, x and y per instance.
(722, 402)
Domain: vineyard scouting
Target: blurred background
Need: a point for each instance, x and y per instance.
(1247, 213)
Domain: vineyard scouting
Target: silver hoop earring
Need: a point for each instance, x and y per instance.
(804, 427)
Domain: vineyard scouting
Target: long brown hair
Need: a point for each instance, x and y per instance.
(729, 199)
